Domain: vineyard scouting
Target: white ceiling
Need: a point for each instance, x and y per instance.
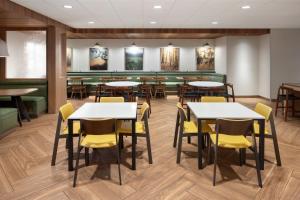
(174, 13)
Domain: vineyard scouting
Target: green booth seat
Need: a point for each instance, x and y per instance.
(8, 119)
(171, 83)
(35, 102)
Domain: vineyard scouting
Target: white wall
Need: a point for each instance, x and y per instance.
(221, 55)
(27, 54)
(264, 66)
(116, 47)
(285, 57)
(242, 64)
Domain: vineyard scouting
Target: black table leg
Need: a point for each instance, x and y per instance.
(70, 145)
(23, 108)
(133, 145)
(16, 104)
(261, 143)
(200, 144)
(188, 113)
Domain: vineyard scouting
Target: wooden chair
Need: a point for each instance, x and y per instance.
(284, 97)
(64, 112)
(187, 92)
(141, 128)
(77, 87)
(98, 134)
(144, 92)
(120, 78)
(111, 99)
(160, 86)
(267, 112)
(232, 134)
(186, 129)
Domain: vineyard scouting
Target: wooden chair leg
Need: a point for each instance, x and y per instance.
(149, 148)
(56, 140)
(215, 164)
(76, 166)
(275, 141)
(179, 147)
(189, 139)
(176, 131)
(257, 163)
(118, 160)
(209, 152)
(86, 156)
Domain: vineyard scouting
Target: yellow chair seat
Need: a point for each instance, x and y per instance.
(99, 141)
(76, 128)
(231, 141)
(125, 127)
(191, 127)
(256, 128)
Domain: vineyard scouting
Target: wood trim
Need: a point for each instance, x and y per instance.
(51, 71)
(16, 14)
(141, 33)
(2, 60)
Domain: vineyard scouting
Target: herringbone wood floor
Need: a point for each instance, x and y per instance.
(25, 171)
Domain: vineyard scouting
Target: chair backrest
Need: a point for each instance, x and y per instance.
(212, 99)
(144, 110)
(181, 111)
(234, 126)
(263, 110)
(98, 126)
(112, 99)
(66, 110)
(75, 81)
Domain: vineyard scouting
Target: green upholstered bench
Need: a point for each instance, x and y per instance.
(35, 102)
(8, 119)
(171, 83)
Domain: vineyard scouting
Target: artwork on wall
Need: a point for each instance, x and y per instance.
(98, 58)
(169, 59)
(69, 58)
(134, 58)
(205, 58)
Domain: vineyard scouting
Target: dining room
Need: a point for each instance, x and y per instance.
(147, 99)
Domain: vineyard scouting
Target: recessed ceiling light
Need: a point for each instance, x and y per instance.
(68, 6)
(153, 22)
(91, 22)
(157, 7)
(246, 7)
(214, 22)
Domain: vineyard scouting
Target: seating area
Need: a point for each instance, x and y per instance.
(149, 100)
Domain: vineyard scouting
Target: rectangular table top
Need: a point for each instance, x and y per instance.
(127, 110)
(222, 110)
(293, 86)
(16, 92)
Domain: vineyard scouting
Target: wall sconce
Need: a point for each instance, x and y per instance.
(97, 45)
(3, 49)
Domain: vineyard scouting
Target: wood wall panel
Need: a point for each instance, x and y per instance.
(2, 60)
(56, 73)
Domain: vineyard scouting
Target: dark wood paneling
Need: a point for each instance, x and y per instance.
(2, 60)
(162, 33)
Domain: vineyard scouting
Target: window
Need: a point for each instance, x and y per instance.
(27, 54)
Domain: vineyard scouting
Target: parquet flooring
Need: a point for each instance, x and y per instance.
(25, 171)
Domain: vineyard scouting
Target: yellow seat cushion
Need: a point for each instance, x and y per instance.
(231, 141)
(76, 128)
(191, 127)
(256, 128)
(125, 127)
(99, 141)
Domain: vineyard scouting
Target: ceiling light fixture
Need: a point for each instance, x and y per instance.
(246, 7)
(157, 7)
(68, 6)
(91, 22)
(214, 22)
(153, 22)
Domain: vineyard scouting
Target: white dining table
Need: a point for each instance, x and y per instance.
(119, 111)
(122, 84)
(208, 111)
(206, 84)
